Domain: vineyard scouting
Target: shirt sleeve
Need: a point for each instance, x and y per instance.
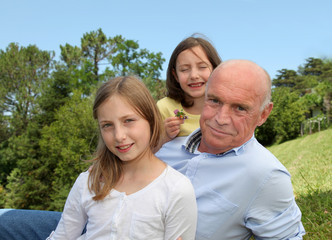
(181, 215)
(73, 218)
(163, 109)
(274, 213)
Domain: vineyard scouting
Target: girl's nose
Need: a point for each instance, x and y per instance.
(194, 73)
(119, 133)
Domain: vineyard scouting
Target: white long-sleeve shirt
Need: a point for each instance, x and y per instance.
(165, 209)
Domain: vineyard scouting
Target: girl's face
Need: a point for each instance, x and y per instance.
(125, 132)
(192, 71)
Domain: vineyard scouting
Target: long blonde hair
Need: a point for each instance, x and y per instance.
(107, 167)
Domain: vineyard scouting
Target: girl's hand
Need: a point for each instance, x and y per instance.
(172, 127)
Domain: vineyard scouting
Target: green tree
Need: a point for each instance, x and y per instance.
(56, 91)
(129, 59)
(44, 175)
(79, 69)
(297, 96)
(25, 188)
(299, 83)
(41, 151)
(284, 122)
(285, 78)
(85, 62)
(97, 48)
(22, 71)
(5, 134)
(313, 66)
(68, 141)
(156, 87)
(99, 58)
(321, 88)
(324, 88)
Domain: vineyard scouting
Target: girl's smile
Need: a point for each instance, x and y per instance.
(124, 148)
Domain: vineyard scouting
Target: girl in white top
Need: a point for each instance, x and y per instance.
(128, 193)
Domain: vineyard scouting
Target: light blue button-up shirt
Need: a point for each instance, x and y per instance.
(245, 191)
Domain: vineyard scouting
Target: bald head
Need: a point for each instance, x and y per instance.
(247, 74)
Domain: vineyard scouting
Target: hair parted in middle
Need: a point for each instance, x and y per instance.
(174, 89)
(106, 165)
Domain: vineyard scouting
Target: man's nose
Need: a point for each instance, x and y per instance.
(223, 115)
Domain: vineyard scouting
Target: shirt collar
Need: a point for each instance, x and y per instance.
(192, 142)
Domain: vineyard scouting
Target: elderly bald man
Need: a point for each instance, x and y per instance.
(242, 190)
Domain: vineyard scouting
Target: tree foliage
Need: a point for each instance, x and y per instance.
(297, 96)
(69, 140)
(46, 123)
(22, 71)
(46, 126)
(285, 119)
(99, 58)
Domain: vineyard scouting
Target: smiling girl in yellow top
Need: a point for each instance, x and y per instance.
(189, 68)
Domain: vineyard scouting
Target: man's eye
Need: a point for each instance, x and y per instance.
(214, 101)
(241, 108)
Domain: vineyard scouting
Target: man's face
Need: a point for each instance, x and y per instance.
(231, 111)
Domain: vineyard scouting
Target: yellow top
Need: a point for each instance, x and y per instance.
(167, 106)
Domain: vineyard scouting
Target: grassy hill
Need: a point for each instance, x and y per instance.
(309, 160)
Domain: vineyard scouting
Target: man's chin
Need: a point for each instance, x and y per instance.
(212, 145)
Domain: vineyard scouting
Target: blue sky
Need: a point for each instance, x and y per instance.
(276, 34)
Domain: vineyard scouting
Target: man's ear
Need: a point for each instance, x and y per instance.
(265, 113)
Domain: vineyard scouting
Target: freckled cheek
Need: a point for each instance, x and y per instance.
(108, 139)
(206, 76)
(182, 77)
(182, 82)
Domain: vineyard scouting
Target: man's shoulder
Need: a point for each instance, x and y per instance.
(255, 147)
(261, 159)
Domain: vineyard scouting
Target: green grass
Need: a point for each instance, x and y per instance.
(309, 160)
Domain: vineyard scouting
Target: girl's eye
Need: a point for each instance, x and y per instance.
(106, 125)
(129, 120)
